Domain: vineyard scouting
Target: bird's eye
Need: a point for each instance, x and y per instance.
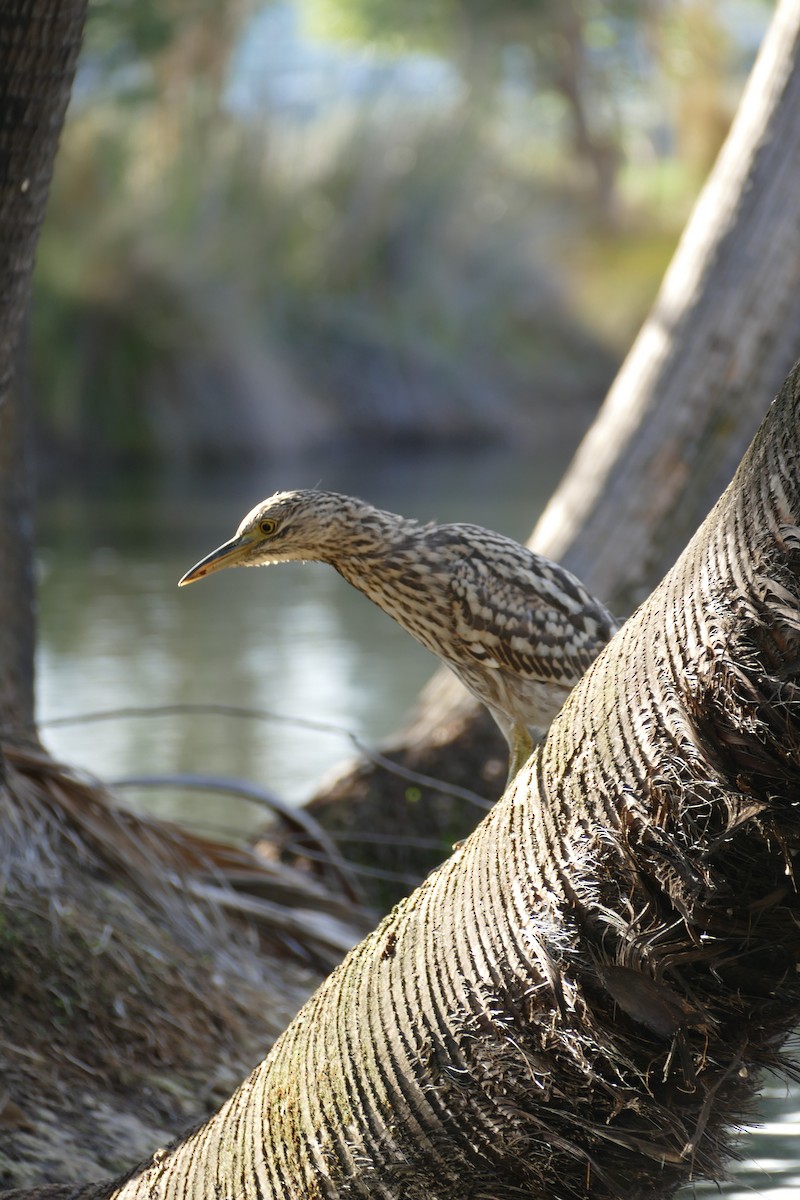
(268, 526)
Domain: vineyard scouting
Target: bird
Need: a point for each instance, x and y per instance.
(516, 628)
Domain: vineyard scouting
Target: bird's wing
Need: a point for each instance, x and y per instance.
(515, 611)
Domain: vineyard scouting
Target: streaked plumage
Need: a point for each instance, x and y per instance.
(517, 629)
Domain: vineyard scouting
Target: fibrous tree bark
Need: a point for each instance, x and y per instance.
(39, 44)
(721, 336)
(578, 1001)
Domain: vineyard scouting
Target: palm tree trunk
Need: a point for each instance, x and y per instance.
(39, 43)
(579, 1001)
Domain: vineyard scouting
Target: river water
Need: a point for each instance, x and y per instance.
(296, 642)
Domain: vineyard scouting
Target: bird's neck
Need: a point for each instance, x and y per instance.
(371, 540)
(391, 570)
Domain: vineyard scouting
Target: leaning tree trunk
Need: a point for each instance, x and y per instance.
(39, 43)
(579, 1001)
(721, 336)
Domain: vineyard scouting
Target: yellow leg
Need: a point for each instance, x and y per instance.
(520, 745)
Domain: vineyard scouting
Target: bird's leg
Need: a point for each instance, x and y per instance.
(520, 746)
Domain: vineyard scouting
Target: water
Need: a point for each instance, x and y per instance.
(115, 632)
(769, 1167)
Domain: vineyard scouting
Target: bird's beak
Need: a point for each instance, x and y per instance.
(230, 554)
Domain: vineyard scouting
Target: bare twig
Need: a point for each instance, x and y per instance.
(296, 818)
(262, 714)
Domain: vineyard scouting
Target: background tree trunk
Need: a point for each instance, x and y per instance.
(577, 1002)
(39, 44)
(721, 336)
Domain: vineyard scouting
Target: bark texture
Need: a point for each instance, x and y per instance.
(721, 337)
(580, 999)
(39, 44)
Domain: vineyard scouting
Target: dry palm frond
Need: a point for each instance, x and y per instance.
(189, 875)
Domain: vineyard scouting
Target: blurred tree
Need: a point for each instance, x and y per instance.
(573, 47)
(39, 43)
(166, 48)
(173, 60)
(119, 32)
(694, 49)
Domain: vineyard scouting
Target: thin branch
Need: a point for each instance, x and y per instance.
(296, 818)
(261, 714)
(302, 851)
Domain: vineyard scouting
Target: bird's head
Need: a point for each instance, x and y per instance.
(305, 525)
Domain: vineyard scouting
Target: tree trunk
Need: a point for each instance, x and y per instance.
(579, 1001)
(720, 338)
(39, 43)
(722, 334)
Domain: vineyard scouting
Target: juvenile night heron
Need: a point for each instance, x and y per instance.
(517, 629)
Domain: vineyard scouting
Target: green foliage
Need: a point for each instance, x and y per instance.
(392, 265)
(411, 255)
(123, 30)
(434, 25)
